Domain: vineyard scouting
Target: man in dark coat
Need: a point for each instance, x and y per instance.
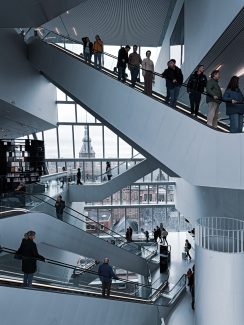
(106, 274)
(195, 86)
(59, 205)
(174, 80)
(123, 59)
(29, 254)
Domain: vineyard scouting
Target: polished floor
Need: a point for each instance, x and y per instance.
(182, 314)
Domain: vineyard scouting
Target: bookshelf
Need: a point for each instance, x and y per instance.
(21, 161)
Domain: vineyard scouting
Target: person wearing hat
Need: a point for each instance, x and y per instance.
(174, 80)
(29, 255)
(123, 59)
(106, 273)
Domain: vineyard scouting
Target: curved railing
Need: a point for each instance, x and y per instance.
(31, 202)
(220, 234)
(63, 42)
(132, 291)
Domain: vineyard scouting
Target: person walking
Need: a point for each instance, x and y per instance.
(78, 177)
(187, 248)
(131, 233)
(123, 59)
(108, 170)
(148, 73)
(29, 254)
(134, 65)
(155, 235)
(127, 234)
(234, 105)
(213, 98)
(164, 236)
(147, 236)
(106, 274)
(87, 49)
(191, 284)
(159, 234)
(60, 206)
(174, 80)
(195, 86)
(98, 50)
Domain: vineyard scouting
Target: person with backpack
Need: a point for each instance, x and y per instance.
(187, 248)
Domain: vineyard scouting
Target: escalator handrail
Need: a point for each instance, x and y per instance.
(111, 232)
(115, 57)
(72, 267)
(181, 107)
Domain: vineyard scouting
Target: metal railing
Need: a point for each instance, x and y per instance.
(61, 41)
(220, 234)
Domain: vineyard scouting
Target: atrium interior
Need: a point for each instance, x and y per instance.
(103, 158)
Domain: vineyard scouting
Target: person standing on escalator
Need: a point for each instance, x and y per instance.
(98, 50)
(87, 49)
(134, 65)
(195, 86)
(106, 274)
(60, 206)
(29, 254)
(174, 80)
(122, 62)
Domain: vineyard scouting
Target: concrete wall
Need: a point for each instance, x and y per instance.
(205, 21)
(196, 202)
(66, 237)
(20, 84)
(197, 153)
(23, 306)
(219, 288)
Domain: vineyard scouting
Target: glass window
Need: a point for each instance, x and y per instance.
(50, 138)
(79, 131)
(145, 217)
(83, 116)
(118, 217)
(110, 140)
(124, 149)
(65, 141)
(134, 194)
(95, 134)
(60, 95)
(132, 219)
(66, 112)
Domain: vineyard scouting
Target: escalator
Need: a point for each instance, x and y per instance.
(98, 188)
(186, 146)
(75, 233)
(63, 302)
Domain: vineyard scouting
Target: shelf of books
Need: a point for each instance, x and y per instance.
(21, 161)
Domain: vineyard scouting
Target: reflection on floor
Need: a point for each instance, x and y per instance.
(182, 314)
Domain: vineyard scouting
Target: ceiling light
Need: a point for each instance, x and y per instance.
(240, 72)
(219, 66)
(56, 28)
(67, 12)
(75, 32)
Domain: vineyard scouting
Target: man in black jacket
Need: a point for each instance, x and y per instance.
(123, 59)
(195, 86)
(29, 254)
(60, 206)
(174, 80)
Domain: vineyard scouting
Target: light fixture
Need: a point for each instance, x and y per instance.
(67, 12)
(219, 67)
(56, 28)
(240, 72)
(75, 32)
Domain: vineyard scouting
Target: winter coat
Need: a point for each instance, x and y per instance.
(29, 254)
(237, 95)
(213, 89)
(197, 82)
(123, 58)
(106, 273)
(60, 206)
(171, 74)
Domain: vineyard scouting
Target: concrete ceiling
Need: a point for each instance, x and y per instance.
(17, 123)
(32, 13)
(118, 22)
